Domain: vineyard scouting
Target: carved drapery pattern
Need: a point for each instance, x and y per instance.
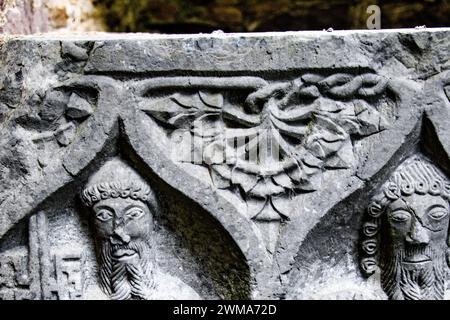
(269, 140)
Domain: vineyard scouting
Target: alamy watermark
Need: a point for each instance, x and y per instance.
(374, 19)
(198, 146)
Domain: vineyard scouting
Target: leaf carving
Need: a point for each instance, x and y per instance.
(280, 137)
(180, 110)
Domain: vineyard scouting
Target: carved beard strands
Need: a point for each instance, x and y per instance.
(421, 283)
(125, 281)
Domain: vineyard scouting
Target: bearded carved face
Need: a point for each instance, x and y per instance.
(406, 232)
(123, 231)
(122, 223)
(415, 246)
(121, 203)
(417, 221)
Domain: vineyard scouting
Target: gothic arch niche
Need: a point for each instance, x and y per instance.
(206, 249)
(336, 259)
(51, 254)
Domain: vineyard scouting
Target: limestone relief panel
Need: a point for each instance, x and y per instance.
(281, 166)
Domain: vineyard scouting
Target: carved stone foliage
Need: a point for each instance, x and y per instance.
(60, 112)
(268, 140)
(406, 232)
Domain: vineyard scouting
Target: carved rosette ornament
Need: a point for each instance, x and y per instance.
(406, 232)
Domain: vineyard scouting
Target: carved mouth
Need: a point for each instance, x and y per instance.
(124, 254)
(417, 258)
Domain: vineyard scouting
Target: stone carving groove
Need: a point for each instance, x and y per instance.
(39, 272)
(406, 232)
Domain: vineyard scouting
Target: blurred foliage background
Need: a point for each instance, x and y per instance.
(182, 16)
(193, 16)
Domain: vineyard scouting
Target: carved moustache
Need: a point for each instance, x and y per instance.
(126, 251)
(417, 255)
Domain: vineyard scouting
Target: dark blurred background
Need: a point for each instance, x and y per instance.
(193, 16)
(181, 16)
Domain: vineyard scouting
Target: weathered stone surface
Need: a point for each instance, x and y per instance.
(23, 16)
(225, 165)
(34, 16)
(78, 107)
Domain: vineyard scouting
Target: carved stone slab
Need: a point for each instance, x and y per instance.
(298, 165)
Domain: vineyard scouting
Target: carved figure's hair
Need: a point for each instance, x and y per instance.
(414, 175)
(116, 179)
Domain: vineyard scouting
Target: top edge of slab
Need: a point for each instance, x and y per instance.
(215, 34)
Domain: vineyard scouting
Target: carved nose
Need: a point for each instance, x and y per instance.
(119, 236)
(418, 234)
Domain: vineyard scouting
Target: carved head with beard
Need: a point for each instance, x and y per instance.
(122, 204)
(406, 232)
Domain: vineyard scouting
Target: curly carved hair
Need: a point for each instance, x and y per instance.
(115, 189)
(116, 179)
(415, 175)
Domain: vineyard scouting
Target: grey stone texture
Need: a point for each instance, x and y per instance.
(296, 165)
(23, 17)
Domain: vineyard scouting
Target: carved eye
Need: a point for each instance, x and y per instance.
(400, 215)
(135, 213)
(437, 213)
(104, 215)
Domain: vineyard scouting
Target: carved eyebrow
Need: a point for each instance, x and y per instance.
(411, 211)
(402, 209)
(403, 206)
(436, 206)
(133, 206)
(102, 207)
